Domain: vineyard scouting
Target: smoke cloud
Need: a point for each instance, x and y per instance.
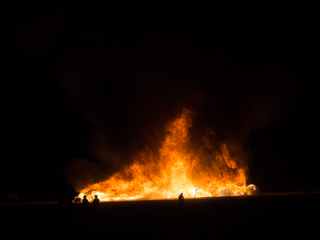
(129, 93)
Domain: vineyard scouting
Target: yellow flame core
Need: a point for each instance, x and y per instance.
(178, 169)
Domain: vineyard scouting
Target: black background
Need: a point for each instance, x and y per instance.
(220, 48)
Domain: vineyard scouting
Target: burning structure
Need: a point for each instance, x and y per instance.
(204, 172)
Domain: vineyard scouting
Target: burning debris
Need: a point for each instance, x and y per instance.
(225, 192)
(252, 190)
(207, 171)
(248, 190)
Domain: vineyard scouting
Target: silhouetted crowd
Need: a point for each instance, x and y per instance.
(85, 202)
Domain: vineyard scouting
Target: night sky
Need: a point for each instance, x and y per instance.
(92, 82)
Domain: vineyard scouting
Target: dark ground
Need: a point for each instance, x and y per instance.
(250, 217)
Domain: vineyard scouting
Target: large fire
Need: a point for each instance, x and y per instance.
(209, 171)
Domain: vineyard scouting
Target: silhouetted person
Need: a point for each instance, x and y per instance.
(85, 203)
(96, 202)
(181, 198)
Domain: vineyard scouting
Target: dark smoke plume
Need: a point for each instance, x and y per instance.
(128, 94)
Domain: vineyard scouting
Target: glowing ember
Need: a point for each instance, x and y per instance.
(208, 172)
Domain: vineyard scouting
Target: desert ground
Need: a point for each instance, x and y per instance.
(273, 216)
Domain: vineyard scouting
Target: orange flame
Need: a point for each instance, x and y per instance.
(208, 172)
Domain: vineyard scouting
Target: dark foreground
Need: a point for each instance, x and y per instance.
(250, 217)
